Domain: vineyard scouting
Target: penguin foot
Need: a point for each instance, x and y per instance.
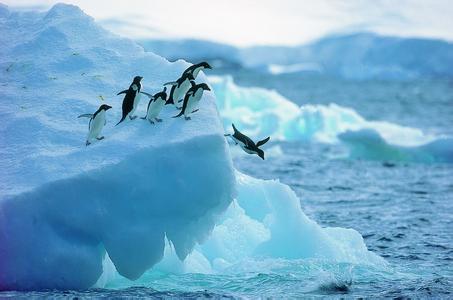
(158, 120)
(187, 118)
(194, 111)
(100, 138)
(178, 107)
(143, 118)
(132, 117)
(87, 143)
(152, 122)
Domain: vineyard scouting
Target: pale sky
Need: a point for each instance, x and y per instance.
(264, 22)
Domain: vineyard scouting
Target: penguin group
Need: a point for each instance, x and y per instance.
(184, 90)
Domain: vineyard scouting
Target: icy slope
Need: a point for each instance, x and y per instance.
(63, 205)
(260, 112)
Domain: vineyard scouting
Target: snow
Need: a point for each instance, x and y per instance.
(260, 112)
(146, 197)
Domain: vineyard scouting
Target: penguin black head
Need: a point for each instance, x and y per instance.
(105, 107)
(137, 79)
(205, 65)
(204, 86)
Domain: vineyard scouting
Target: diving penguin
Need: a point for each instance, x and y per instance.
(192, 98)
(131, 99)
(179, 88)
(155, 105)
(246, 143)
(97, 122)
(196, 68)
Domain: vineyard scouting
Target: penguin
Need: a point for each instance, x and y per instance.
(155, 105)
(131, 99)
(192, 98)
(247, 144)
(179, 88)
(196, 68)
(97, 122)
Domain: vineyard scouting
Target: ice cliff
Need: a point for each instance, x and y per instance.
(68, 212)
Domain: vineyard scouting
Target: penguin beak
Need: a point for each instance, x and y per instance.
(207, 88)
(208, 67)
(108, 107)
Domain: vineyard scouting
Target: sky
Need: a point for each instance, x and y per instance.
(264, 22)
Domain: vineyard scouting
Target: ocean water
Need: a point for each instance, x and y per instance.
(404, 211)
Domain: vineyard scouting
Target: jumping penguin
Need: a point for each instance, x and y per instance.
(192, 98)
(247, 144)
(131, 99)
(155, 105)
(196, 68)
(97, 122)
(179, 88)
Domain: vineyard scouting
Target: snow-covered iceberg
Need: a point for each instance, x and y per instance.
(70, 215)
(63, 205)
(261, 112)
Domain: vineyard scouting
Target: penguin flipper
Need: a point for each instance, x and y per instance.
(149, 95)
(85, 116)
(122, 92)
(262, 142)
(171, 83)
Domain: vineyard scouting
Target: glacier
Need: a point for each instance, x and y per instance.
(145, 199)
(261, 112)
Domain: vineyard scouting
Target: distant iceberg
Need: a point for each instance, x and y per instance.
(362, 55)
(295, 68)
(71, 215)
(261, 112)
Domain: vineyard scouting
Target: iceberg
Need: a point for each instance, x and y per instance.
(261, 112)
(64, 204)
(147, 198)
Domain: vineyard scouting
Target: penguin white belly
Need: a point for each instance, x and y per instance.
(192, 102)
(248, 150)
(195, 72)
(135, 104)
(96, 126)
(155, 108)
(181, 91)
